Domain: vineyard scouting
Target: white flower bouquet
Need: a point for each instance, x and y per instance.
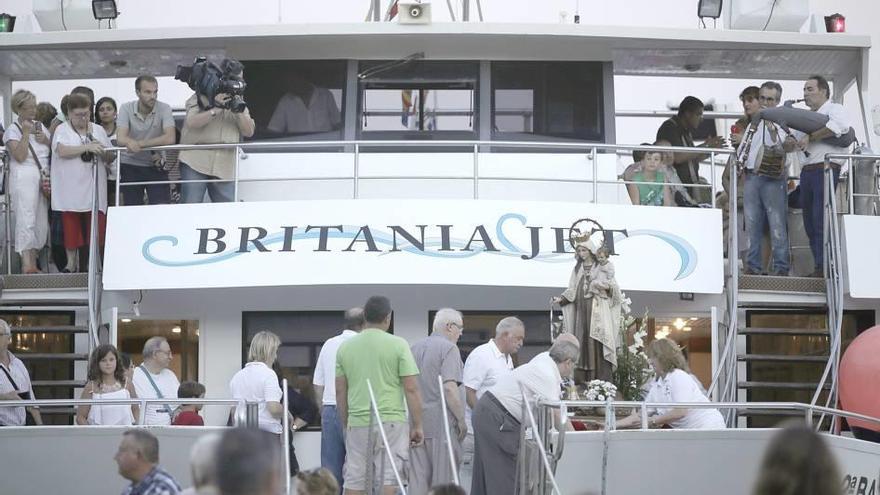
(600, 390)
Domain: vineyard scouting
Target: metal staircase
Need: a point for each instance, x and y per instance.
(753, 365)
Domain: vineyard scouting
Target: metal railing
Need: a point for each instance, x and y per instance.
(449, 448)
(538, 435)
(610, 407)
(833, 287)
(871, 199)
(376, 417)
(475, 147)
(241, 416)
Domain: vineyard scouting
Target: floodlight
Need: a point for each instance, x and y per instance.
(104, 9)
(709, 8)
(7, 23)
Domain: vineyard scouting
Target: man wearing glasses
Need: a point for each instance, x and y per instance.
(15, 383)
(765, 195)
(153, 380)
(438, 355)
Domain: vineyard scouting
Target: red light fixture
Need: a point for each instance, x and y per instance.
(835, 23)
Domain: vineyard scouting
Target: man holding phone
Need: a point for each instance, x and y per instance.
(15, 383)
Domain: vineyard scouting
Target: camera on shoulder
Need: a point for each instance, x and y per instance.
(209, 80)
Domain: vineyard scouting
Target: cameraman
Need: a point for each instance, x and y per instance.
(209, 122)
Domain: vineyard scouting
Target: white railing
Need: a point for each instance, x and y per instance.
(476, 147)
(377, 417)
(453, 464)
(538, 436)
(873, 204)
(241, 417)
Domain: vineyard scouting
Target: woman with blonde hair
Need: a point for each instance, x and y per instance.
(798, 462)
(28, 144)
(674, 382)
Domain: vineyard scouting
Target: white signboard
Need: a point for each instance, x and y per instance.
(461, 242)
(861, 238)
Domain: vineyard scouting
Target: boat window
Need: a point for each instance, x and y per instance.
(562, 100)
(296, 99)
(417, 99)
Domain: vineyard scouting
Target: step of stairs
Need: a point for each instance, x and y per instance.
(781, 358)
(46, 281)
(781, 284)
(59, 383)
(782, 331)
(69, 356)
(51, 329)
(781, 385)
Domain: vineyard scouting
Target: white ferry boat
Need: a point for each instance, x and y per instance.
(460, 156)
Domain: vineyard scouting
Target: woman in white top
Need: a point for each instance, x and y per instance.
(75, 144)
(257, 382)
(108, 379)
(28, 145)
(674, 383)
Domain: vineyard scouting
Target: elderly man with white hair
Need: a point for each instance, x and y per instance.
(438, 355)
(203, 465)
(483, 367)
(153, 380)
(498, 417)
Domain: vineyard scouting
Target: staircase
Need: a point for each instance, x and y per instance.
(780, 335)
(782, 347)
(48, 315)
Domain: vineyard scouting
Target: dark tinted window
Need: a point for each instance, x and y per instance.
(296, 99)
(547, 99)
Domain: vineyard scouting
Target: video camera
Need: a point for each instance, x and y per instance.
(208, 80)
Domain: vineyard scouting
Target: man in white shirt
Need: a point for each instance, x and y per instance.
(153, 380)
(498, 417)
(306, 108)
(324, 381)
(483, 367)
(817, 95)
(15, 383)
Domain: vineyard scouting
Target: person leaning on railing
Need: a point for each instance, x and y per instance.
(674, 383)
(28, 145)
(657, 193)
(208, 122)
(76, 144)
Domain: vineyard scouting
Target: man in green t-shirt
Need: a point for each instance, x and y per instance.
(387, 362)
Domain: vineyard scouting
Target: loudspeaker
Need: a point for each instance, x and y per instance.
(414, 13)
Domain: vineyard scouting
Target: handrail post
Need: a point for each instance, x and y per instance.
(390, 456)
(285, 436)
(446, 429)
(594, 158)
(252, 413)
(849, 187)
(357, 162)
(118, 177)
(93, 286)
(476, 172)
(7, 207)
(712, 176)
(536, 435)
(643, 409)
(235, 174)
(142, 412)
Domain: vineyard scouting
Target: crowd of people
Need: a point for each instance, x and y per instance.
(767, 156)
(54, 156)
(365, 377)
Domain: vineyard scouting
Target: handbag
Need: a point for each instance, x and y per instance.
(165, 407)
(26, 395)
(45, 183)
